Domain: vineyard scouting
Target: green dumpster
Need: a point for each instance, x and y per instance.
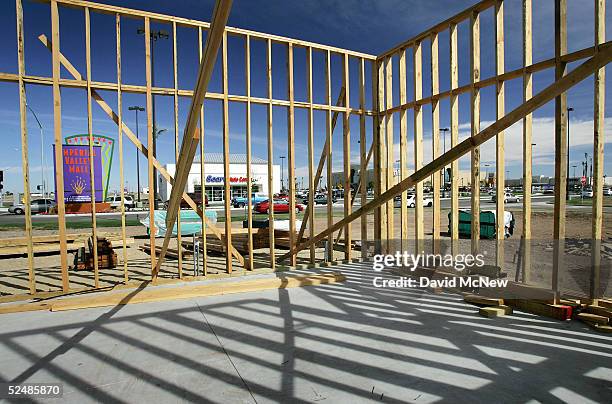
(487, 223)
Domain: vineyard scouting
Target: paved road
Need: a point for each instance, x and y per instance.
(540, 202)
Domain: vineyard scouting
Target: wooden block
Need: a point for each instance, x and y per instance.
(557, 311)
(605, 303)
(599, 327)
(600, 311)
(507, 309)
(593, 318)
(484, 301)
(492, 311)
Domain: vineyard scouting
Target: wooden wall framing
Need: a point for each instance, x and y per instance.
(382, 149)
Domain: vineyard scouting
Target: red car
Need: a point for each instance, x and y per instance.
(280, 206)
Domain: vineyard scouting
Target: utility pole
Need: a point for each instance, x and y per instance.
(137, 109)
(282, 158)
(155, 35)
(567, 195)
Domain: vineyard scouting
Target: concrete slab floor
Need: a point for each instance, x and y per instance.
(334, 343)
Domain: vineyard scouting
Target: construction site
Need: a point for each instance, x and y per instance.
(362, 273)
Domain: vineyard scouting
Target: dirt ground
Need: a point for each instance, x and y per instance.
(14, 269)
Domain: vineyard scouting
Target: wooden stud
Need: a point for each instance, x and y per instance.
(403, 151)
(390, 157)
(176, 151)
(94, 230)
(598, 154)
(380, 226)
(475, 153)
(120, 137)
(150, 135)
(191, 136)
(563, 84)
(270, 158)
(363, 177)
(527, 143)
(291, 150)
(454, 137)
(309, 214)
(226, 153)
(435, 141)
(247, 65)
(419, 234)
(202, 173)
(25, 165)
(500, 167)
(347, 159)
(329, 134)
(560, 146)
(57, 127)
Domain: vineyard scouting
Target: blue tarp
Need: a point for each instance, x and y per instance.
(190, 222)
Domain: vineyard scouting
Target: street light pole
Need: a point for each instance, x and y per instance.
(567, 196)
(137, 108)
(282, 173)
(155, 35)
(42, 155)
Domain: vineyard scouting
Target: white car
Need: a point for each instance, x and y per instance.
(508, 197)
(427, 201)
(607, 192)
(587, 193)
(115, 202)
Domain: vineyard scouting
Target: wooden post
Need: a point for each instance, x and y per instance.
(291, 149)
(120, 136)
(435, 140)
(25, 165)
(347, 159)
(598, 154)
(179, 244)
(403, 150)
(270, 157)
(226, 152)
(500, 173)
(381, 164)
(527, 143)
(150, 136)
(454, 138)
(311, 180)
(329, 133)
(247, 65)
(475, 154)
(419, 233)
(560, 145)
(202, 173)
(363, 177)
(57, 127)
(94, 232)
(390, 157)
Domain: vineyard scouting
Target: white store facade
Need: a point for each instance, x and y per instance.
(215, 179)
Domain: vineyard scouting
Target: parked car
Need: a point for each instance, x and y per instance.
(280, 206)
(241, 201)
(587, 193)
(36, 206)
(115, 201)
(321, 199)
(607, 192)
(411, 200)
(508, 197)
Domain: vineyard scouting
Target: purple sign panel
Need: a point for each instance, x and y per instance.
(77, 178)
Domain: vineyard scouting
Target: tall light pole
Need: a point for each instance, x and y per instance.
(137, 109)
(444, 130)
(42, 151)
(567, 196)
(282, 159)
(155, 35)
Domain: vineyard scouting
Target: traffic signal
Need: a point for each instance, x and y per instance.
(1, 179)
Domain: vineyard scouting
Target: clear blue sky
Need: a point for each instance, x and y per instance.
(367, 26)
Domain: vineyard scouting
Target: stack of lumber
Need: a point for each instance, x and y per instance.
(107, 258)
(50, 243)
(598, 317)
(489, 307)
